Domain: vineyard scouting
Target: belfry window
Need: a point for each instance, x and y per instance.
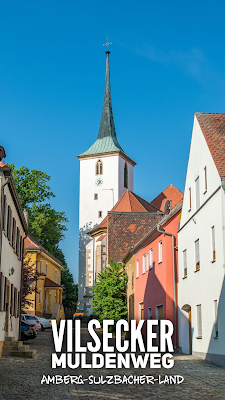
(99, 168)
(125, 176)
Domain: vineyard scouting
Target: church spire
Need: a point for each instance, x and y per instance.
(107, 139)
(107, 125)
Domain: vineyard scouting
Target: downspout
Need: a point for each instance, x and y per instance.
(2, 217)
(174, 285)
(21, 286)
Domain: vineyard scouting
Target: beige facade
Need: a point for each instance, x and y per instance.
(47, 300)
(130, 269)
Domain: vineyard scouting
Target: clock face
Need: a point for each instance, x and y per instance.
(99, 181)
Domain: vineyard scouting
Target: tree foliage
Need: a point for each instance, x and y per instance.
(71, 289)
(110, 293)
(46, 224)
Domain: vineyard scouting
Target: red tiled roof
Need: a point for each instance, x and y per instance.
(170, 193)
(50, 283)
(213, 129)
(2, 164)
(128, 202)
(101, 238)
(30, 244)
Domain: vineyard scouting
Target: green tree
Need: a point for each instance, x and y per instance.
(71, 289)
(110, 293)
(45, 223)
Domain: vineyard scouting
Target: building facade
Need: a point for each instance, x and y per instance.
(12, 228)
(201, 238)
(46, 300)
(105, 173)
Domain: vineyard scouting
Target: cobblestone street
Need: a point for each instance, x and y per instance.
(20, 379)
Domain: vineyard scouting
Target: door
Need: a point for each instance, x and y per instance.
(7, 308)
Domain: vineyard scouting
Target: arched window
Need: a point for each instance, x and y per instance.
(125, 176)
(99, 168)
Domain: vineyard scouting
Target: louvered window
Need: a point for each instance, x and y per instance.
(14, 233)
(197, 256)
(199, 321)
(125, 176)
(151, 258)
(137, 269)
(12, 300)
(99, 168)
(143, 263)
(213, 244)
(216, 319)
(197, 192)
(185, 262)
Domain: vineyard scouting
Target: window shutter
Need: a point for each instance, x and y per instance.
(197, 255)
(137, 269)
(185, 262)
(143, 264)
(5, 288)
(15, 302)
(5, 213)
(1, 289)
(147, 261)
(199, 321)
(11, 300)
(216, 318)
(18, 304)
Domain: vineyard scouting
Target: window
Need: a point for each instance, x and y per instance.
(41, 266)
(213, 244)
(189, 198)
(14, 233)
(149, 313)
(185, 262)
(15, 301)
(141, 310)
(56, 275)
(40, 295)
(46, 270)
(143, 263)
(160, 252)
(216, 333)
(197, 192)
(100, 214)
(12, 300)
(137, 269)
(147, 261)
(205, 179)
(199, 321)
(99, 168)
(18, 242)
(9, 223)
(50, 299)
(125, 176)
(197, 256)
(151, 258)
(96, 196)
(5, 214)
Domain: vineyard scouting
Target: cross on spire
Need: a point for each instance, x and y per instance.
(107, 44)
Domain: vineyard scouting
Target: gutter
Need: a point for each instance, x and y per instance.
(174, 285)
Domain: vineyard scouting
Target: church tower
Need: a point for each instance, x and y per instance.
(105, 173)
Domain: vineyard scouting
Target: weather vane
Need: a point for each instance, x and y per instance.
(107, 44)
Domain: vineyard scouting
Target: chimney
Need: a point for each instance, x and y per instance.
(26, 216)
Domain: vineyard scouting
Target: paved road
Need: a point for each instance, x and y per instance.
(20, 379)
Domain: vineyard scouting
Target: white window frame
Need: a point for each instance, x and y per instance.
(199, 320)
(185, 263)
(143, 263)
(160, 252)
(213, 243)
(197, 193)
(197, 259)
(215, 317)
(151, 258)
(137, 269)
(205, 180)
(147, 261)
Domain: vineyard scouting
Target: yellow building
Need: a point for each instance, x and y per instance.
(47, 301)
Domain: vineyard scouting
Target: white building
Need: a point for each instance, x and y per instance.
(201, 243)
(12, 228)
(105, 173)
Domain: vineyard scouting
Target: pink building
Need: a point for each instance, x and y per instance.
(156, 268)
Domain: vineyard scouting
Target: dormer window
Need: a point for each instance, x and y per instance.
(99, 168)
(125, 176)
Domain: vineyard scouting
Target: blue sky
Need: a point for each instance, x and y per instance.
(167, 62)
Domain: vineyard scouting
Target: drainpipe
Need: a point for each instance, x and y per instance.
(21, 286)
(174, 285)
(2, 216)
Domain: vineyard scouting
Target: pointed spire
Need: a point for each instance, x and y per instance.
(107, 125)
